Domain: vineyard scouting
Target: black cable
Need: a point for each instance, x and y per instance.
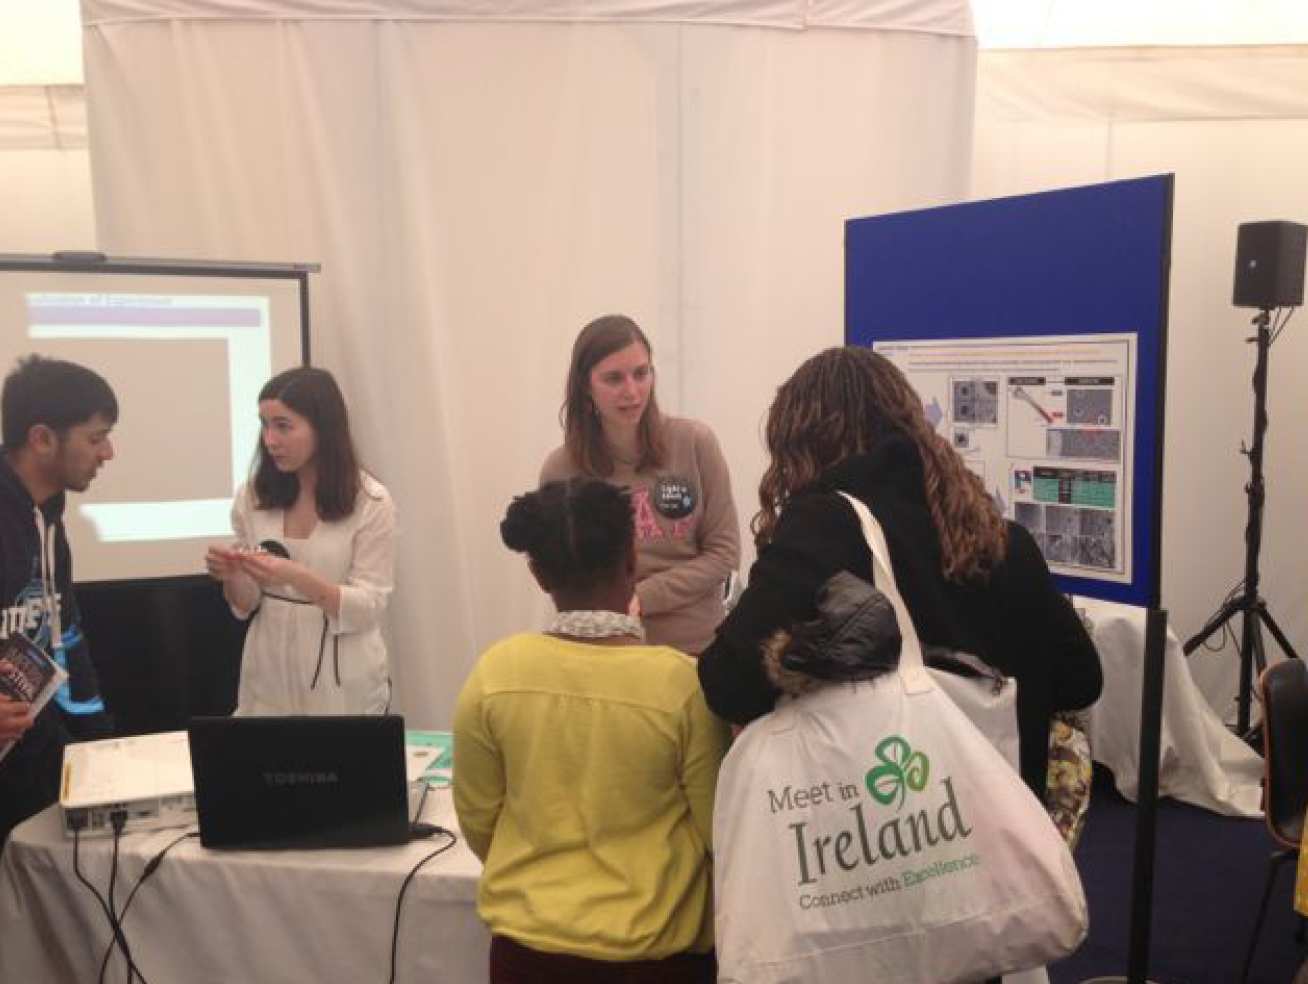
(151, 867)
(322, 642)
(1280, 326)
(422, 801)
(114, 928)
(1227, 637)
(118, 819)
(399, 901)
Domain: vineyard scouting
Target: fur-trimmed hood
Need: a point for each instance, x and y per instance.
(854, 637)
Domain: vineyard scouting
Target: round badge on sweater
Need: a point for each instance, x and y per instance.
(674, 497)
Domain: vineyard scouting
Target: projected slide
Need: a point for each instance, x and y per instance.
(186, 356)
(1045, 421)
(221, 340)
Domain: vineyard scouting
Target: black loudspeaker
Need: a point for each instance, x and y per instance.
(1269, 264)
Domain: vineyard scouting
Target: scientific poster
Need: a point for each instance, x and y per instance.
(1045, 421)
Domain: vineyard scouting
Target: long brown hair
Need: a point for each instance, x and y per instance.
(583, 434)
(843, 402)
(314, 395)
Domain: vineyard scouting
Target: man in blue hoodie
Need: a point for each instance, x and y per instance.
(56, 419)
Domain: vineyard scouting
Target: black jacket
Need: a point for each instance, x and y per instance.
(29, 774)
(1017, 621)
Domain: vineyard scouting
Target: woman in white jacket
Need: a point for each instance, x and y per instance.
(314, 562)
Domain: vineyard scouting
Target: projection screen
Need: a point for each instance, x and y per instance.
(186, 347)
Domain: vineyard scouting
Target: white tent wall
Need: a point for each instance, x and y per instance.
(477, 190)
(1232, 123)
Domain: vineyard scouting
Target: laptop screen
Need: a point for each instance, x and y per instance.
(297, 782)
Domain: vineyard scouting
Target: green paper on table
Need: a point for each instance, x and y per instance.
(430, 756)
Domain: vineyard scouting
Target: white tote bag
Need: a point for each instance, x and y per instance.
(987, 697)
(868, 832)
(989, 701)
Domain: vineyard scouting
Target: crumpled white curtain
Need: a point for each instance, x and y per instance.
(1232, 123)
(477, 190)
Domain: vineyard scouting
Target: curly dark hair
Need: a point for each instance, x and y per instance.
(843, 402)
(582, 433)
(577, 533)
(314, 395)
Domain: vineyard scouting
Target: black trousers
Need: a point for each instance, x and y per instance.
(513, 963)
(30, 773)
(29, 778)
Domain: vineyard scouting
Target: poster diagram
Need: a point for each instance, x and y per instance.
(1045, 421)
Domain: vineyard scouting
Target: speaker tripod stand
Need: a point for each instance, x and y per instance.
(1249, 603)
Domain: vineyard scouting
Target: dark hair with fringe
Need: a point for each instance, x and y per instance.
(53, 392)
(314, 395)
(843, 402)
(582, 432)
(577, 533)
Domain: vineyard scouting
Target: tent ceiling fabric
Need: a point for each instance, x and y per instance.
(1141, 84)
(951, 17)
(40, 42)
(1112, 23)
(42, 117)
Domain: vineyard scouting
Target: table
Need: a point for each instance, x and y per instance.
(223, 916)
(1201, 762)
(213, 917)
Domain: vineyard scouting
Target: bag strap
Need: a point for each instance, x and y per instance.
(912, 671)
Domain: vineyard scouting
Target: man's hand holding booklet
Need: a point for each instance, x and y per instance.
(27, 676)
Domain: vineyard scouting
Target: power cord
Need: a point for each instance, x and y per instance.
(78, 823)
(1280, 326)
(151, 867)
(118, 819)
(422, 801)
(399, 901)
(1227, 637)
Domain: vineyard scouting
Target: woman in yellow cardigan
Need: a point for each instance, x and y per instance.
(584, 767)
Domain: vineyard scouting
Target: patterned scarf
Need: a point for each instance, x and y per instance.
(596, 625)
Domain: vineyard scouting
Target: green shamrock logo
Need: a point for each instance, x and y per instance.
(901, 769)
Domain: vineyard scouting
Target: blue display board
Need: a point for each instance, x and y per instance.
(1022, 274)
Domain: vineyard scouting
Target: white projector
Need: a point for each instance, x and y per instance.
(147, 778)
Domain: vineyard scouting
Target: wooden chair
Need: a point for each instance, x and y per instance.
(1284, 690)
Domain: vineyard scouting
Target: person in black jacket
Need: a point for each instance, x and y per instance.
(848, 420)
(56, 422)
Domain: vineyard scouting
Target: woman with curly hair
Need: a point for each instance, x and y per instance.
(849, 421)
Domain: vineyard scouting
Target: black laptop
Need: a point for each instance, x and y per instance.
(297, 782)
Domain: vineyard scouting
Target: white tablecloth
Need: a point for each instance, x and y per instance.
(1200, 761)
(224, 916)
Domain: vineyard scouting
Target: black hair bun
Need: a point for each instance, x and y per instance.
(577, 532)
(524, 523)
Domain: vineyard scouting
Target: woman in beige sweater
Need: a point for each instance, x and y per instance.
(687, 538)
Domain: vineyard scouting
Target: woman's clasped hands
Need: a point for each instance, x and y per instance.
(264, 567)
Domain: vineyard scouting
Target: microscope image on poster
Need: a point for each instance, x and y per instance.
(1044, 421)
